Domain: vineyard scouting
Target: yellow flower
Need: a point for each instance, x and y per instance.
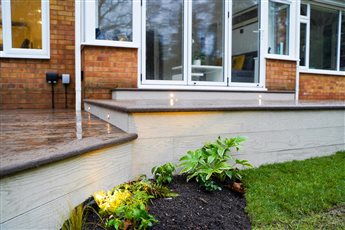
(110, 201)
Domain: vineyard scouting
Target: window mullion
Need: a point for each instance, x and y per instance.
(6, 25)
(307, 39)
(339, 41)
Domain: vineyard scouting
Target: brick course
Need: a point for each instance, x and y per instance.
(280, 75)
(321, 87)
(22, 81)
(106, 68)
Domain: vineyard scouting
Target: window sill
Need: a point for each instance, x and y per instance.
(324, 72)
(23, 56)
(113, 44)
(280, 57)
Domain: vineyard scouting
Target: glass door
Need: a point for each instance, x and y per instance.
(245, 58)
(163, 41)
(207, 42)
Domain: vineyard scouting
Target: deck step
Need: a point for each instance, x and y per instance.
(149, 94)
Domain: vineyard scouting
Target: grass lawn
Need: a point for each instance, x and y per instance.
(306, 194)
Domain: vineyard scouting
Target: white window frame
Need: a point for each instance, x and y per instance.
(306, 20)
(8, 50)
(89, 35)
(293, 6)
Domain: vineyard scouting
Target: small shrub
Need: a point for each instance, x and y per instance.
(163, 174)
(124, 207)
(211, 162)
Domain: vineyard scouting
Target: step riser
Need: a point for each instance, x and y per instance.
(152, 95)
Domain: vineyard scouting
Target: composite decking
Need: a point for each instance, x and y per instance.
(51, 160)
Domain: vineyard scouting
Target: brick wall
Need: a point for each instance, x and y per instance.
(321, 87)
(106, 68)
(22, 81)
(280, 75)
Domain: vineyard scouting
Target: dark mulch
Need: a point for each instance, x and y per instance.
(198, 209)
(194, 209)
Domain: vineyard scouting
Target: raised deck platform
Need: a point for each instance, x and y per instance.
(39, 186)
(277, 130)
(52, 160)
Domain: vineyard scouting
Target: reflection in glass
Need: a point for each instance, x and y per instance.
(114, 20)
(26, 17)
(164, 40)
(323, 38)
(303, 43)
(207, 40)
(342, 44)
(245, 31)
(279, 16)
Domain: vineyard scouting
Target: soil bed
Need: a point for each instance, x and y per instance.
(198, 209)
(194, 209)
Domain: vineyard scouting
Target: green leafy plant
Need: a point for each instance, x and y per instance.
(124, 207)
(75, 220)
(213, 162)
(163, 174)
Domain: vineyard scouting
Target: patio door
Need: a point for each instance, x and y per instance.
(207, 42)
(201, 42)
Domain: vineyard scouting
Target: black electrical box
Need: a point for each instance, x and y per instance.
(52, 78)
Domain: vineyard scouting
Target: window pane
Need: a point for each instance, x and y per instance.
(207, 40)
(1, 40)
(323, 38)
(279, 16)
(342, 46)
(245, 42)
(304, 9)
(26, 19)
(114, 20)
(164, 40)
(303, 42)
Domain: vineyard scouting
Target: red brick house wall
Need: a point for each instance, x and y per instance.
(106, 68)
(321, 87)
(22, 81)
(280, 75)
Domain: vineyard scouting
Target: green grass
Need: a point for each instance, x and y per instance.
(306, 194)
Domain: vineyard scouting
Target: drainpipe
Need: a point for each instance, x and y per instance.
(297, 82)
(77, 55)
(297, 48)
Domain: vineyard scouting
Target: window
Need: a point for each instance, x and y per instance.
(323, 38)
(279, 20)
(112, 23)
(322, 45)
(303, 44)
(164, 40)
(304, 9)
(25, 29)
(114, 20)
